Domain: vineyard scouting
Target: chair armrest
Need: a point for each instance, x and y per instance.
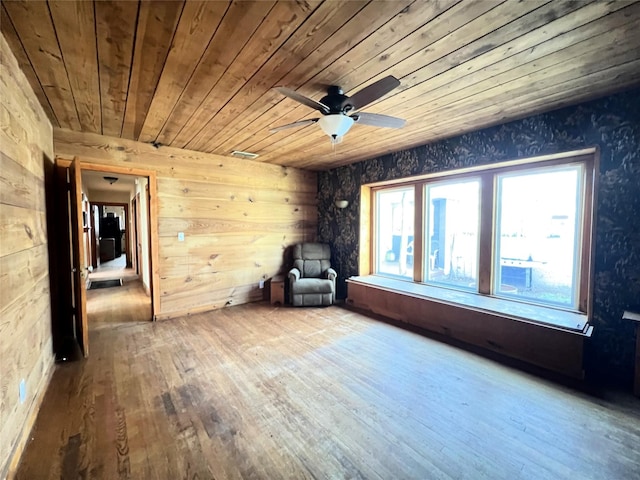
(294, 274)
(331, 274)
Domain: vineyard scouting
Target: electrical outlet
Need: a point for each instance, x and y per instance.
(23, 391)
(181, 236)
(261, 284)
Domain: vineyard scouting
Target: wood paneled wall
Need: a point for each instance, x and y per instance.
(26, 352)
(238, 217)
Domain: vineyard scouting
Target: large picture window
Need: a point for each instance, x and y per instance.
(519, 231)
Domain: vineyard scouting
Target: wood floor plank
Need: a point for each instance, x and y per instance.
(257, 391)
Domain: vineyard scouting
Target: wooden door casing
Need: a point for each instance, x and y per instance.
(77, 248)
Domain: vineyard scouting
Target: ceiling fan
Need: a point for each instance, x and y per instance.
(339, 112)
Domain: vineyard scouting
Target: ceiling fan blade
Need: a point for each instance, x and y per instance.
(301, 123)
(287, 92)
(371, 93)
(377, 120)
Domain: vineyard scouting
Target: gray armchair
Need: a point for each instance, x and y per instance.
(312, 281)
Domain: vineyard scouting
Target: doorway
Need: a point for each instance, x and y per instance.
(104, 256)
(110, 246)
(116, 251)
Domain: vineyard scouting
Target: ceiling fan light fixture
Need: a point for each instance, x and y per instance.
(337, 108)
(335, 125)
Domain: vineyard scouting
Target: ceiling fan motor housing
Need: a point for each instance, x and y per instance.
(335, 99)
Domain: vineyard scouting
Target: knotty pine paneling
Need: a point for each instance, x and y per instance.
(44, 54)
(238, 217)
(226, 44)
(315, 44)
(22, 229)
(11, 36)
(156, 25)
(76, 35)
(283, 21)
(26, 351)
(115, 32)
(201, 74)
(198, 22)
(20, 187)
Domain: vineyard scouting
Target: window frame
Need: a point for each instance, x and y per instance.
(488, 176)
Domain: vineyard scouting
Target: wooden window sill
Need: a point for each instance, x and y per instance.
(572, 322)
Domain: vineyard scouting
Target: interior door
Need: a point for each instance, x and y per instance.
(79, 268)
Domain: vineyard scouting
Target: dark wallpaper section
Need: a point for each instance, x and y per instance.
(611, 123)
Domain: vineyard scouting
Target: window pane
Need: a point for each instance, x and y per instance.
(394, 232)
(537, 240)
(452, 234)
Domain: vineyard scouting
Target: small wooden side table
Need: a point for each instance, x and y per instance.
(276, 290)
(635, 317)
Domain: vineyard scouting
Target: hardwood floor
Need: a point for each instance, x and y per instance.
(264, 392)
(118, 306)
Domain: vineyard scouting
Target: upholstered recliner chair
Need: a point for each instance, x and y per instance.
(312, 281)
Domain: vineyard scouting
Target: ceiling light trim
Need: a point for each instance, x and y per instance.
(244, 155)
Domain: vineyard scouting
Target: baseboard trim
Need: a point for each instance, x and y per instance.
(18, 450)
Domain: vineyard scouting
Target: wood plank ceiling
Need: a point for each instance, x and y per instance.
(200, 75)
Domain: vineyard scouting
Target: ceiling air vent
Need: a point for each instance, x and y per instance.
(246, 155)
